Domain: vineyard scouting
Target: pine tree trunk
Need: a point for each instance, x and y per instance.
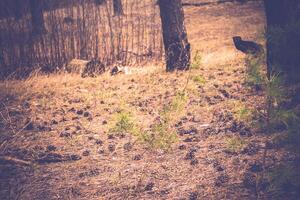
(281, 14)
(37, 17)
(118, 7)
(177, 47)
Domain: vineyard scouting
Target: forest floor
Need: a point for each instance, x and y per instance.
(62, 125)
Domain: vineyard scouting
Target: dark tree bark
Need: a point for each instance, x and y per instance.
(18, 9)
(177, 47)
(118, 7)
(100, 2)
(37, 17)
(282, 14)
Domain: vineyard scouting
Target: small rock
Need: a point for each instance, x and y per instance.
(104, 122)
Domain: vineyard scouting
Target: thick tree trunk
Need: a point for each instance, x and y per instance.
(100, 2)
(177, 47)
(18, 9)
(282, 14)
(37, 17)
(118, 7)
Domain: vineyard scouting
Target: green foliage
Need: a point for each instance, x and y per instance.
(282, 117)
(161, 136)
(175, 108)
(124, 122)
(235, 144)
(199, 80)
(254, 75)
(197, 60)
(275, 90)
(241, 111)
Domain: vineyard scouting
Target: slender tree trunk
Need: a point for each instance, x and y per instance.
(177, 47)
(37, 17)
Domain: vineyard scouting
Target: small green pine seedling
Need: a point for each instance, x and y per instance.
(197, 60)
(161, 136)
(199, 80)
(124, 122)
(235, 144)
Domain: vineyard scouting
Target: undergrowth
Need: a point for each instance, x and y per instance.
(274, 116)
(161, 134)
(235, 144)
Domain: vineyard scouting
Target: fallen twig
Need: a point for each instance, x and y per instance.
(12, 160)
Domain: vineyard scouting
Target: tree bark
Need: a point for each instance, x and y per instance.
(118, 7)
(177, 47)
(37, 17)
(17, 9)
(281, 14)
(100, 2)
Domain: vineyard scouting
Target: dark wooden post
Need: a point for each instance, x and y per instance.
(177, 47)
